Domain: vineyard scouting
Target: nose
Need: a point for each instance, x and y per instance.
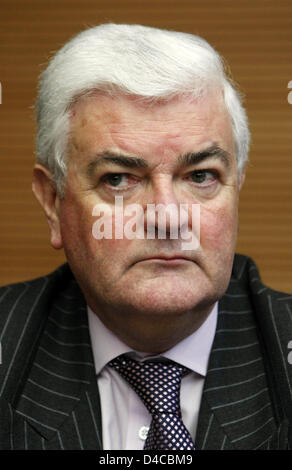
(164, 215)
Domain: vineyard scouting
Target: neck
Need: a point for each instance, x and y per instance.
(153, 333)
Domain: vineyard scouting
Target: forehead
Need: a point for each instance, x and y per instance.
(124, 122)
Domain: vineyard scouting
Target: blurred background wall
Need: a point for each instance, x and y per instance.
(255, 36)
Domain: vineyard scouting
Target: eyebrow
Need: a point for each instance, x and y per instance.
(121, 160)
(214, 151)
(188, 159)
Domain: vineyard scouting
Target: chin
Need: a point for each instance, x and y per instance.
(168, 298)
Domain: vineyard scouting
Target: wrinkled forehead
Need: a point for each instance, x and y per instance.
(122, 104)
(180, 119)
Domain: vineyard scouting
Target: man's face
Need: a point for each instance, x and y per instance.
(119, 276)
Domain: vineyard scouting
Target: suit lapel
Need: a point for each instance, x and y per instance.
(274, 315)
(236, 410)
(49, 397)
(58, 398)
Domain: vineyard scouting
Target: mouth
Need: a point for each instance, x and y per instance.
(167, 259)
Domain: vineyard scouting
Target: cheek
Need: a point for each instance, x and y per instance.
(218, 229)
(103, 244)
(102, 259)
(111, 250)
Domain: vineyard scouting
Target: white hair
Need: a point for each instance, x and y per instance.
(130, 59)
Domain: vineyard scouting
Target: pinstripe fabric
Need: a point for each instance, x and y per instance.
(49, 396)
(246, 401)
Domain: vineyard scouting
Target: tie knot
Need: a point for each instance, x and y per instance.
(157, 383)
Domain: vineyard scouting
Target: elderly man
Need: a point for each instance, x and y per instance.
(142, 341)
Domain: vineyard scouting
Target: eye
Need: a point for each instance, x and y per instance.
(119, 180)
(204, 177)
(114, 179)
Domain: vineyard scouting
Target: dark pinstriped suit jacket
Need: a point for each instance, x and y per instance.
(49, 395)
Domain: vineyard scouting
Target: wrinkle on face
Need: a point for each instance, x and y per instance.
(117, 284)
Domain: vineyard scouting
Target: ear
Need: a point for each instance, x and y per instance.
(45, 191)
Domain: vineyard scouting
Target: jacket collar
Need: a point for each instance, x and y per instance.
(237, 411)
(61, 368)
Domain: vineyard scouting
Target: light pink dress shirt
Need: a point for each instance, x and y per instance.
(125, 419)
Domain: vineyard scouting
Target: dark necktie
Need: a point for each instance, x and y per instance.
(158, 385)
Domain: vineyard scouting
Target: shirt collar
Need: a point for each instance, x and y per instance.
(192, 352)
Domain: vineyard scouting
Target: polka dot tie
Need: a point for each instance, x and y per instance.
(158, 385)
